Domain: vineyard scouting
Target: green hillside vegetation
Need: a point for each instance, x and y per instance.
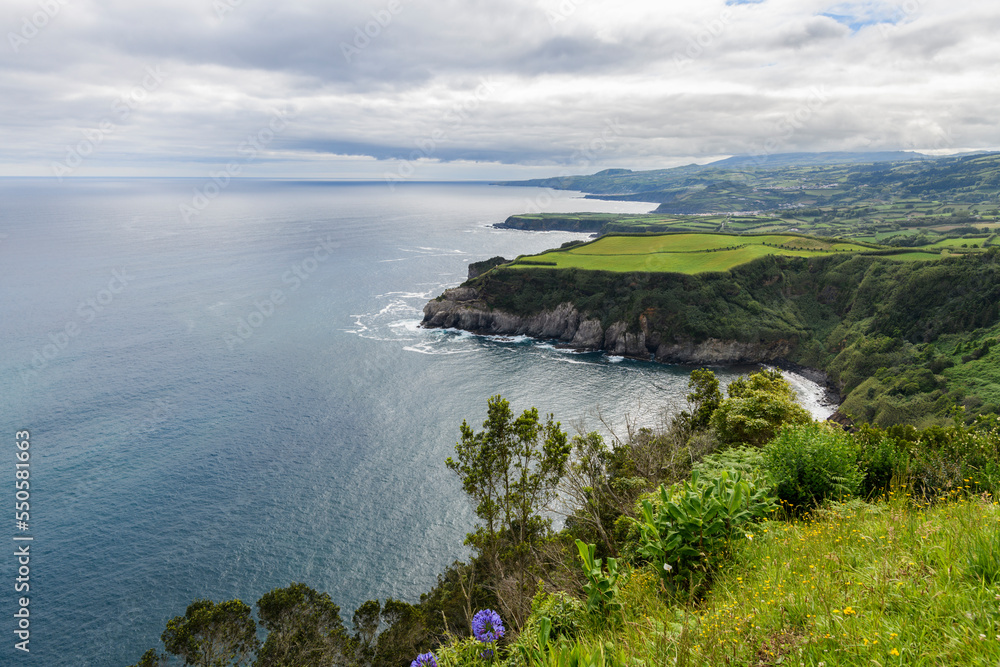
(742, 533)
(885, 330)
(843, 196)
(687, 253)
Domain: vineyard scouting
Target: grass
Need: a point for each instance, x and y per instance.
(889, 583)
(689, 253)
(868, 584)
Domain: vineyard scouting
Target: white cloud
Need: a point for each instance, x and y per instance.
(384, 78)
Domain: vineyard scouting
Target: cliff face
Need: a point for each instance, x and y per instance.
(463, 308)
(555, 223)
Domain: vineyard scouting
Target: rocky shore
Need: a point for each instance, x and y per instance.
(462, 308)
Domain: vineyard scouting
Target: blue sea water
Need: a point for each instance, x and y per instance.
(229, 402)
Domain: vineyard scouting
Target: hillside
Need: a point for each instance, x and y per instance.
(692, 253)
(788, 183)
(903, 341)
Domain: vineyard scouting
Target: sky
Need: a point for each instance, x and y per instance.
(483, 89)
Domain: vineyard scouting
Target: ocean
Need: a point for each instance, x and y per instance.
(228, 394)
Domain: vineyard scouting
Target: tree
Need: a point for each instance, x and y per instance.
(304, 629)
(758, 405)
(150, 659)
(703, 400)
(587, 486)
(366, 620)
(212, 635)
(510, 470)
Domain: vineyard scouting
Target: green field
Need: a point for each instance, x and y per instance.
(690, 253)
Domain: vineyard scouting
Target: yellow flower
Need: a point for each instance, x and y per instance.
(893, 652)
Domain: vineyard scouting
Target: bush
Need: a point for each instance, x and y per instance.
(690, 531)
(758, 405)
(748, 461)
(880, 460)
(812, 463)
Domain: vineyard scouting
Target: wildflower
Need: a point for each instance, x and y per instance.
(487, 626)
(667, 567)
(893, 652)
(424, 660)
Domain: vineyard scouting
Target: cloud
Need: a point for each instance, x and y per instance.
(386, 80)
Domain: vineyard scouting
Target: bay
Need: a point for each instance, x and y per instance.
(230, 400)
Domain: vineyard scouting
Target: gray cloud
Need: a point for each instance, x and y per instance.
(522, 83)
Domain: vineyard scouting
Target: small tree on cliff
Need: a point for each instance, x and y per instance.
(758, 405)
(510, 470)
(703, 400)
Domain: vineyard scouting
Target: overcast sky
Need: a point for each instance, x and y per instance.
(483, 89)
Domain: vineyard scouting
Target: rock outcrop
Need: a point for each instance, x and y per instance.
(462, 308)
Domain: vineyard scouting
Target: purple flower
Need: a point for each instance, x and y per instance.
(424, 660)
(487, 626)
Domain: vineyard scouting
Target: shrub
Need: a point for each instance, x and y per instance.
(601, 588)
(812, 463)
(758, 405)
(879, 460)
(691, 529)
(565, 613)
(748, 461)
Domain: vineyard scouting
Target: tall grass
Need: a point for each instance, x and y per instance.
(894, 582)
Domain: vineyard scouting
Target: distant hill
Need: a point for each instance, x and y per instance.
(815, 159)
(795, 180)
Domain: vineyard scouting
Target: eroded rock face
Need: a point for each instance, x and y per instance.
(715, 351)
(462, 308)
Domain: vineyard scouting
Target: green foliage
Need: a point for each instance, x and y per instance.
(565, 613)
(150, 659)
(983, 557)
(577, 655)
(703, 400)
(812, 463)
(880, 460)
(588, 486)
(601, 588)
(510, 469)
(304, 628)
(691, 529)
(212, 635)
(747, 461)
(758, 405)
(851, 315)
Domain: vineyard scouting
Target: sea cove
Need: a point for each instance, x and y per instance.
(169, 465)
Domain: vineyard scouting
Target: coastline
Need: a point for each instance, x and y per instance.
(830, 397)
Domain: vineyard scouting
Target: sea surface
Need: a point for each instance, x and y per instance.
(229, 394)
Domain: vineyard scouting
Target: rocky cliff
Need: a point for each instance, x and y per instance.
(463, 308)
(588, 223)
